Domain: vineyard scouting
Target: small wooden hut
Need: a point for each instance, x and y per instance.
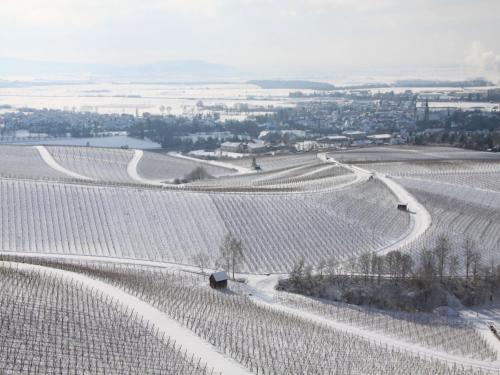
(218, 280)
(403, 206)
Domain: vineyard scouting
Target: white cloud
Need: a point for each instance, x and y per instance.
(483, 61)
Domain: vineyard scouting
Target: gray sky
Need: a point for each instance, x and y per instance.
(292, 36)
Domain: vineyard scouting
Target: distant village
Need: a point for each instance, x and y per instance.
(319, 121)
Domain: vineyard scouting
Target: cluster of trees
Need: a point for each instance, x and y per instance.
(198, 173)
(471, 130)
(436, 263)
(231, 256)
(388, 280)
(168, 131)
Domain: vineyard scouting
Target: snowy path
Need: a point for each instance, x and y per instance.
(262, 290)
(240, 169)
(189, 341)
(47, 158)
(132, 170)
(481, 317)
(101, 259)
(420, 217)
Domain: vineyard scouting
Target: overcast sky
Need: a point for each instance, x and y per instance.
(294, 36)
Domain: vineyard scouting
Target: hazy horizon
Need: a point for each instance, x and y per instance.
(325, 39)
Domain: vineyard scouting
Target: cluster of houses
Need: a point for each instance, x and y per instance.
(255, 147)
(305, 142)
(347, 139)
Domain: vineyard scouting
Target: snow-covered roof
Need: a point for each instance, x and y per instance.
(231, 144)
(380, 136)
(337, 137)
(256, 145)
(220, 276)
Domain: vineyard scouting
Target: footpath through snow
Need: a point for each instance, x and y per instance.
(421, 218)
(189, 341)
(261, 287)
(47, 158)
(134, 175)
(263, 292)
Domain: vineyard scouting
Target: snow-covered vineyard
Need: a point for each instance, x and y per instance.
(98, 270)
(52, 325)
(172, 226)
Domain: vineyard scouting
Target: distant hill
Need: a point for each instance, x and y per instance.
(298, 85)
(437, 83)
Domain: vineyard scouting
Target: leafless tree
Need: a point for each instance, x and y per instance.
(392, 261)
(202, 260)
(198, 173)
(321, 267)
(364, 264)
(231, 253)
(453, 264)
(468, 251)
(476, 264)
(331, 266)
(378, 266)
(427, 266)
(406, 265)
(441, 252)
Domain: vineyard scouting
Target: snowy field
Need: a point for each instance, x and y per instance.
(462, 196)
(409, 153)
(25, 162)
(97, 164)
(105, 142)
(269, 336)
(174, 225)
(161, 167)
(79, 211)
(51, 325)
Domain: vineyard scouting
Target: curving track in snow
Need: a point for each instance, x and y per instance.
(189, 341)
(47, 158)
(261, 288)
(262, 292)
(421, 218)
(132, 170)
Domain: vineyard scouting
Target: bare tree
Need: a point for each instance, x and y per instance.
(198, 173)
(297, 272)
(475, 263)
(427, 266)
(201, 260)
(378, 266)
(453, 263)
(441, 252)
(392, 262)
(406, 265)
(364, 264)
(231, 253)
(468, 251)
(321, 267)
(331, 266)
